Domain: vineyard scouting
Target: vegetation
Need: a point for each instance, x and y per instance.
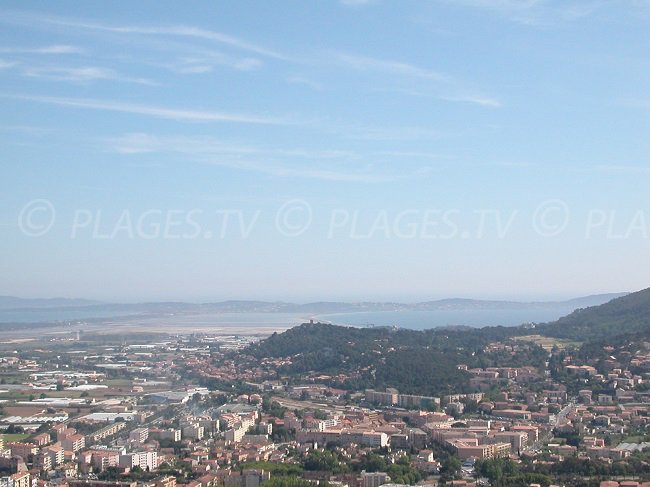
(11, 437)
(292, 482)
(273, 407)
(625, 315)
(424, 362)
(136, 474)
(324, 461)
(400, 472)
(505, 472)
(417, 362)
(570, 471)
(275, 469)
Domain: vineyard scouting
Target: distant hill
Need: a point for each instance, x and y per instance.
(316, 308)
(594, 300)
(478, 304)
(628, 314)
(12, 302)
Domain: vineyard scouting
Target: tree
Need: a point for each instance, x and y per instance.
(321, 460)
(319, 414)
(450, 467)
(471, 406)
(291, 482)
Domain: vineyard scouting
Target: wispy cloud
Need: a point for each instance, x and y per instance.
(413, 154)
(82, 75)
(329, 175)
(141, 143)
(483, 101)
(385, 133)
(191, 67)
(77, 74)
(169, 30)
(356, 3)
(501, 5)
(60, 49)
(444, 82)
(453, 86)
(52, 49)
(301, 80)
(364, 63)
(624, 169)
(27, 129)
(635, 102)
(534, 12)
(189, 31)
(300, 163)
(137, 143)
(247, 64)
(152, 111)
(172, 42)
(514, 164)
(206, 62)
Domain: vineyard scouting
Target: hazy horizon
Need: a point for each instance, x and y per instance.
(338, 150)
(342, 299)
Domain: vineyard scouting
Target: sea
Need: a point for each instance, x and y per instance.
(417, 320)
(46, 315)
(424, 320)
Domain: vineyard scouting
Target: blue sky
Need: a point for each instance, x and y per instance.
(324, 150)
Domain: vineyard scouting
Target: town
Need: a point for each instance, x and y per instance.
(201, 410)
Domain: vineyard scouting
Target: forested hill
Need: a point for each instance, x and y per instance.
(425, 362)
(346, 340)
(416, 362)
(629, 314)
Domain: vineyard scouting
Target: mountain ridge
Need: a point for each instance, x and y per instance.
(11, 303)
(627, 314)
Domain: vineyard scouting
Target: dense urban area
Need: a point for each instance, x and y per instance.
(333, 406)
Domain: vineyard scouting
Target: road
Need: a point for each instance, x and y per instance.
(560, 419)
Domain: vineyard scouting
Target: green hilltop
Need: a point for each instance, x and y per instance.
(425, 362)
